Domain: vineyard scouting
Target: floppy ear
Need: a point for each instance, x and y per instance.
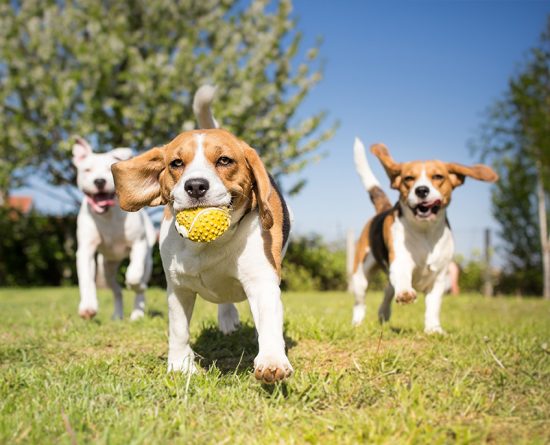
(393, 169)
(121, 154)
(137, 180)
(262, 186)
(81, 150)
(481, 172)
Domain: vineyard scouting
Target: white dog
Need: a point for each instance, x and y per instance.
(211, 168)
(104, 228)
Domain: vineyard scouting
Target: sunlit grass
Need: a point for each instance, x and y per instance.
(63, 380)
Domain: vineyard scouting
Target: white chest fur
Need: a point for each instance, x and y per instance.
(214, 270)
(427, 249)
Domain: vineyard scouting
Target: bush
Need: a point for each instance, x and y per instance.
(37, 250)
(40, 250)
(312, 264)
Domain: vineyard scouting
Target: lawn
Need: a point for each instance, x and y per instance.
(64, 380)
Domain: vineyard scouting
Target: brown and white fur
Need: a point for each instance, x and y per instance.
(212, 167)
(412, 240)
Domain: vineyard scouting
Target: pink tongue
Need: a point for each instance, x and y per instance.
(105, 202)
(433, 204)
(100, 205)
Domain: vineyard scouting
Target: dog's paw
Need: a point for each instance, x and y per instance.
(359, 311)
(185, 364)
(405, 296)
(438, 330)
(137, 314)
(87, 313)
(228, 318)
(272, 368)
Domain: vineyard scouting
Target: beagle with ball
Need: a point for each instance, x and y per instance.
(213, 168)
(411, 241)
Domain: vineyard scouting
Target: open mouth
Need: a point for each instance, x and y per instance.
(100, 202)
(425, 210)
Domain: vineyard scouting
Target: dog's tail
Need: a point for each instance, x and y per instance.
(201, 106)
(377, 195)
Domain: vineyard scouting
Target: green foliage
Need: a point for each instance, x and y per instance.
(123, 72)
(64, 380)
(471, 273)
(311, 264)
(36, 249)
(516, 138)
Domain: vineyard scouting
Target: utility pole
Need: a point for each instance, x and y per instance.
(487, 276)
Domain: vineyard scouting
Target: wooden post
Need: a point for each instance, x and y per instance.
(350, 254)
(488, 278)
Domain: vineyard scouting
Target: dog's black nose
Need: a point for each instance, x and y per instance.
(100, 183)
(422, 191)
(197, 187)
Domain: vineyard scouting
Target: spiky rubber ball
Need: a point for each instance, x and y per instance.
(203, 224)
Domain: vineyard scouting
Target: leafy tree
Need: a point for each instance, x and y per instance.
(123, 72)
(516, 137)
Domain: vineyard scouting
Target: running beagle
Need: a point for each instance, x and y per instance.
(212, 168)
(411, 240)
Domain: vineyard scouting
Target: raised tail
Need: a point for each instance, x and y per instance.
(201, 106)
(377, 195)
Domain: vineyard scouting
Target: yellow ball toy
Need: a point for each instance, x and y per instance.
(203, 224)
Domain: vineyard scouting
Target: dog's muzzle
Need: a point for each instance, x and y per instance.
(427, 210)
(100, 202)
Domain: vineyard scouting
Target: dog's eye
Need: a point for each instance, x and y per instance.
(437, 177)
(176, 163)
(224, 160)
(408, 178)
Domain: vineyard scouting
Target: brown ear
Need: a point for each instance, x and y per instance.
(137, 180)
(481, 172)
(393, 169)
(262, 186)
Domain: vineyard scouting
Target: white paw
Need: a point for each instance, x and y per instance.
(137, 314)
(405, 296)
(184, 364)
(271, 368)
(434, 330)
(358, 314)
(87, 312)
(228, 318)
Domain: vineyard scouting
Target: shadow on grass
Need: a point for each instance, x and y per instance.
(153, 313)
(233, 353)
(398, 330)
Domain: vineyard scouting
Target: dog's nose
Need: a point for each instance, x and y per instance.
(422, 191)
(197, 187)
(100, 183)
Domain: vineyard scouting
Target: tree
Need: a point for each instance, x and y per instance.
(516, 137)
(123, 72)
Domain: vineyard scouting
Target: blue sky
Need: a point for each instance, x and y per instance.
(416, 75)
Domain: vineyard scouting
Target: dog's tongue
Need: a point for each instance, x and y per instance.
(437, 202)
(100, 202)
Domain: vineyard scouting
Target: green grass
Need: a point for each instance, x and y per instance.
(63, 380)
